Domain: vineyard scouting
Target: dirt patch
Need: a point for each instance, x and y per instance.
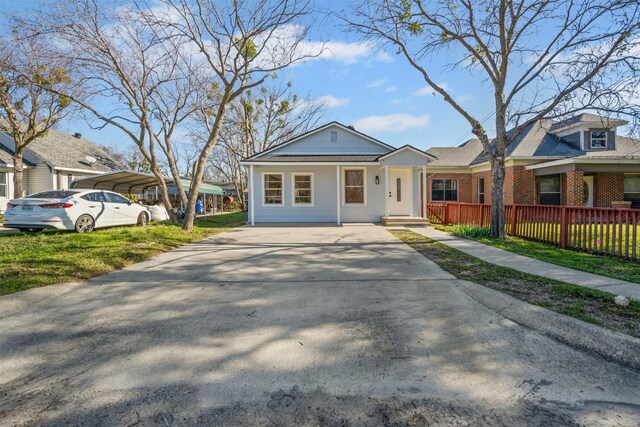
(589, 305)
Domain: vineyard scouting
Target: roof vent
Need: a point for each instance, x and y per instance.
(90, 160)
(77, 135)
(351, 127)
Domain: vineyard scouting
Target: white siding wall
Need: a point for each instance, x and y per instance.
(9, 192)
(320, 143)
(40, 179)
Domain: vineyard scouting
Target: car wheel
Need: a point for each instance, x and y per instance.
(85, 224)
(143, 219)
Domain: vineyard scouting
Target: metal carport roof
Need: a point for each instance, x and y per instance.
(130, 182)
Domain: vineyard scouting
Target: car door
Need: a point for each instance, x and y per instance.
(96, 206)
(124, 212)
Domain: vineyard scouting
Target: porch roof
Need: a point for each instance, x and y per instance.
(589, 164)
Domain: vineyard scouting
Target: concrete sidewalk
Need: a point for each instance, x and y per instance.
(532, 266)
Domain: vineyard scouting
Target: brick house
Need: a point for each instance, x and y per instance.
(581, 161)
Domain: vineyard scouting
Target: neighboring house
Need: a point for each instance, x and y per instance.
(335, 174)
(581, 161)
(51, 162)
(228, 187)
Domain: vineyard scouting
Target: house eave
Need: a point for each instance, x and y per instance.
(257, 163)
(85, 171)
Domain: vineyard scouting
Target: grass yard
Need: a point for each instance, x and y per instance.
(589, 305)
(31, 260)
(618, 268)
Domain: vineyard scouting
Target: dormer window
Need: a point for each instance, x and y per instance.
(599, 139)
(334, 136)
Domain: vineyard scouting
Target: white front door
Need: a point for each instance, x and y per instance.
(400, 192)
(588, 191)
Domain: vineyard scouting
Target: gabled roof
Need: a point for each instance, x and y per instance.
(318, 129)
(6, 154)
(408, 147)
(316, 158)
(61, 150)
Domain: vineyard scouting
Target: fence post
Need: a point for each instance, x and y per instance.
(564, 227)
(446, 213)
(514, 220)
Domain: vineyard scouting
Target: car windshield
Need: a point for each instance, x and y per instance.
(53, 194)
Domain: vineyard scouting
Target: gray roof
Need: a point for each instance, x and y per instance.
(626, 148)
(61, 150)
(462, 155)
(316, 158)
(588, 117)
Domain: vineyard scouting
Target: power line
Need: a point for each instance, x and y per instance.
(469, 133)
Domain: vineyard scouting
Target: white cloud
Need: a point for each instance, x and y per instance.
(463, 99)
(396, 101)
(428, 90)
(383, 57)
(377, 83)
(390, 89)
(330, 101)
(391, 123)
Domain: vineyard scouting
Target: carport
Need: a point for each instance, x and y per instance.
(131, 182)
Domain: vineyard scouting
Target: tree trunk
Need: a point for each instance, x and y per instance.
(18, 167)
(497, 198)
(199, 167)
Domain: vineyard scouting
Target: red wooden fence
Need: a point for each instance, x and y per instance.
(600, 230)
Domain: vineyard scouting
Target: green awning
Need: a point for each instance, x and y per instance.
(204, 188)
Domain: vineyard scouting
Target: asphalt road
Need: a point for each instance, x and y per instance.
(283, 325)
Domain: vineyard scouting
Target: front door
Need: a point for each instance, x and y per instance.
(400, 194)
(587, 188)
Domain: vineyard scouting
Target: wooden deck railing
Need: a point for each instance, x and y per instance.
(605, 231)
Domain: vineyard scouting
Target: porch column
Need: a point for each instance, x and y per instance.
(574, 195)
(386, 191)
(338, 201)
(251, 198)
(424, 191)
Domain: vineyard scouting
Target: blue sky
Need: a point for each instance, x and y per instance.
(362, 85)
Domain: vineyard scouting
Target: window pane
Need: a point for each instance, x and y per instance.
(354, 195)
(302, 189)
(632, 184)
(398, 190)
(273, 189)
(354, 177)
(451, 184)
(634, 198)
(550, 199)
(3, 177)
(437, 184)
(437, 195)
(550, 184)
(451, 195)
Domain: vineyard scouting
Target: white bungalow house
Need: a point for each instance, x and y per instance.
(52, 162)
(335, 174)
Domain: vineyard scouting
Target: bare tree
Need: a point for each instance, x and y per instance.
(539, 59)
(241, 43)
(28, 110)
(134, 72)
(257, 120)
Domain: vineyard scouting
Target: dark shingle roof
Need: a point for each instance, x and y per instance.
(61, 150)
(456, 156)
(317, 158)
(588, 117)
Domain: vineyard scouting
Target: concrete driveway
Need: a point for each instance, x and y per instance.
(282, 325)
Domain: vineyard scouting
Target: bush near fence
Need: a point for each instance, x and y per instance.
(605, 231)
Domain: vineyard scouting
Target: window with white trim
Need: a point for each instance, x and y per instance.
(3, 184)
(444, 190)
(481, 190)
(599, 139)
(334, 136)
(302, 189)
(354, 186)
(273, 186)
(632, 189)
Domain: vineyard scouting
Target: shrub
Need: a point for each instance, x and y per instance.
(471, 231)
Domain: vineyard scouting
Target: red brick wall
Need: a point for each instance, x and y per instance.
(574, 193)
(608, 187)
(464, 184)
(487, 187)
(519, 186)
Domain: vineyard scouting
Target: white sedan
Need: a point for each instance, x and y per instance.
(80, 210)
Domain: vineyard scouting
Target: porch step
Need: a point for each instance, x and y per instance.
(404, 220)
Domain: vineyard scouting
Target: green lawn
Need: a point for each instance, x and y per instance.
(617, 268)
(30, 260)
(589, 305)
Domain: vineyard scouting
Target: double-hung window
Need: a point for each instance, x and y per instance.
(480, 190)
(550, 189)
(302, 189)
(354, 187)
(599, 139)
(444, 190)
(273, 189)
(3, 184)
(632, 189)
